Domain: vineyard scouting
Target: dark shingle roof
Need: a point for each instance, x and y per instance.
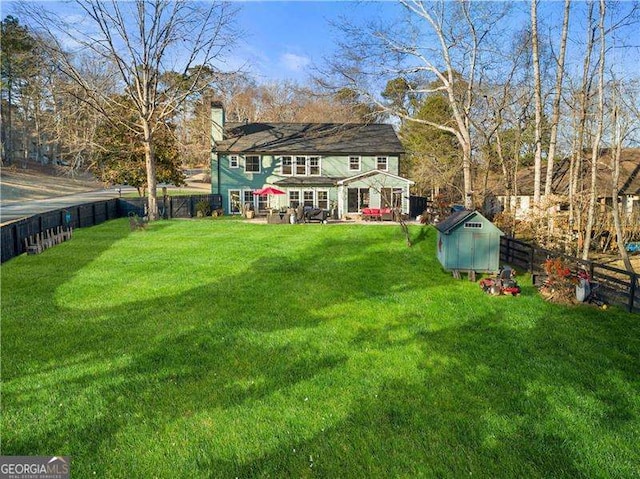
(306, 138)
(629, 183)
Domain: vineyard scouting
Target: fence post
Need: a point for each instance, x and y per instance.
(16, 240)
(531, 256)
(632, 291)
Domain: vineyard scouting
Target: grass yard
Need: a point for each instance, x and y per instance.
(229, 349)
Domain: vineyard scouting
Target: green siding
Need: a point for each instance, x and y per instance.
(270, 173)
(331, 166)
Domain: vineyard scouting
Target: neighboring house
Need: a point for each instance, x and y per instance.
(628, 186)
(343, 167)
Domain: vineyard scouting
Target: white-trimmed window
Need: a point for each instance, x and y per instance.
(323, 199)
(247, 197)
(294, 198)
(234, 201)
(354, 163)
(263, 202)
(357, 198)
(287, 166)
(234, 161)
(314, 166)
(252, 164)
(301, 165)
(382, 163)
(308, 198)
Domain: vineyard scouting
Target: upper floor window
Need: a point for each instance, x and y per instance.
(382, 163)
(252, 164)
(301, 165)
(234, 161)
(287, 166)
(354, 163)
(314, 166)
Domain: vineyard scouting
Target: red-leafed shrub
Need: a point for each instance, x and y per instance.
(560, 283)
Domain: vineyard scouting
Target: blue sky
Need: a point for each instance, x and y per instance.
(283, 39)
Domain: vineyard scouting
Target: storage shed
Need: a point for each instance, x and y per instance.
(467, 241)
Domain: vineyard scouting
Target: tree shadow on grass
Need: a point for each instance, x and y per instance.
(490, 401)
(426, 233)
(216, 372)
(205, 339)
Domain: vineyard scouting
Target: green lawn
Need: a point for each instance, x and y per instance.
(229, 349)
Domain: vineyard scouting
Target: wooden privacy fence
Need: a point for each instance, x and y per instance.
(617, 286)
(417, 205)
(169, 206)
(13, 235)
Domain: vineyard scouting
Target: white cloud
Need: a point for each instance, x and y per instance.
(294, 62)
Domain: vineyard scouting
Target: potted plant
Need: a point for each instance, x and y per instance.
(202, 209)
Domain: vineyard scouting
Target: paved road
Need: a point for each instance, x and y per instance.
(15, 211)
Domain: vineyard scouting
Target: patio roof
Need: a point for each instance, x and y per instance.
(307, 181)
(367, 174)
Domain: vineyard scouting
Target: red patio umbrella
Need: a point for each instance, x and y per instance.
(268, 191)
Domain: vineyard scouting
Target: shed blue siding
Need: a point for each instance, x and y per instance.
(463, 247)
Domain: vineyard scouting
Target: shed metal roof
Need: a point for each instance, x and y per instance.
(455, 219)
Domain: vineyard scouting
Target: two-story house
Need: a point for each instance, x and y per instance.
(346, 166)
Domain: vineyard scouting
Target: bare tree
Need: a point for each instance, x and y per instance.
(439, 51)
(537, 94)
(618, 137)
(584, 94)
(595, 146)
(555, 115)
(142, 40)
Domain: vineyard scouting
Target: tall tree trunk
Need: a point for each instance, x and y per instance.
(8, 126)
(537, 91)
(150, 163)
(555, 119)
(615, 178)
(578, 153)
(595, 148)
(466, 173)
(505, 173)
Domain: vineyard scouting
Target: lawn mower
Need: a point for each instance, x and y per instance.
(503, 283)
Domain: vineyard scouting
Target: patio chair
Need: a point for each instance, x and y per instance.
(371, 214)
(387, 214)
(300, 214)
